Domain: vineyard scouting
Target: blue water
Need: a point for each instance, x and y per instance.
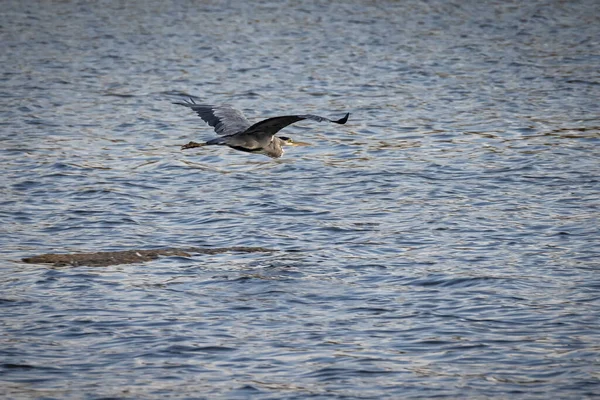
(443, 243)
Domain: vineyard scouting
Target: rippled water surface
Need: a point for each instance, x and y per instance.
(443, 243)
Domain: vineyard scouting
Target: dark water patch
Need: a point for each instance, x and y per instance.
(181, 349)
(371, 310)
(460, 282)
(122, 95)
(342, 374)
(18, 367)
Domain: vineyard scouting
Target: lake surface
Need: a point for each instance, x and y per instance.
(443, 243)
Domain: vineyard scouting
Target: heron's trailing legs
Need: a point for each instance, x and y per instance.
(191, 145)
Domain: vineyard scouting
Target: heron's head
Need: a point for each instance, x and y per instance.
(291, 142)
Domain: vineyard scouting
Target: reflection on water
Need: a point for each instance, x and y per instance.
(443, 243)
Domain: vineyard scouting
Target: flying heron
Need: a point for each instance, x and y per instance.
(238, 133)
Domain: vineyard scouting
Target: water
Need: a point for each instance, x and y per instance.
(444, 243)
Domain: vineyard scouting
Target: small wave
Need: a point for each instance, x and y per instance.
(445, 281)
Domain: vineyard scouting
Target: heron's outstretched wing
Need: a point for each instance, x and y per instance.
(225, 119)
(273, 125)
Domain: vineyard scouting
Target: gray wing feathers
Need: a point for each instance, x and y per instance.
(225, 119)
(273, 125)
(341, 121)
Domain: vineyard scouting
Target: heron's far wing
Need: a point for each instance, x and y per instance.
(225, 119)
(273, 125)
(340, 121)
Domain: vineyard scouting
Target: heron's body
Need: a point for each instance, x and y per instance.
(238, 133)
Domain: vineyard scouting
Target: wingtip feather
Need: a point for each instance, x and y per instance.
(186, 102)
(342, 121)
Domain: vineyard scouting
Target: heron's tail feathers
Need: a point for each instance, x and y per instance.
(219, 140)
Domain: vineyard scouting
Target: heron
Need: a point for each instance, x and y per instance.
(238, 133)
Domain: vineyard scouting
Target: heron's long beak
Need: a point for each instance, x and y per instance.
(294, 143)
